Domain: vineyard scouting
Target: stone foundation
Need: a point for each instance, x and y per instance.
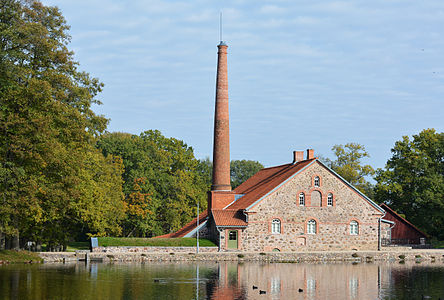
(132, 249)
(435, 255)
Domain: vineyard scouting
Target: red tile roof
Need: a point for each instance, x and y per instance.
(253, 189)
(187, 228)
(263, 182)
(228, 217)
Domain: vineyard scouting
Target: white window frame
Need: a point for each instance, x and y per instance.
(354, 228)
(317, 181)
(301, 199)
(330, 199)
(276, 226)
(311, 227)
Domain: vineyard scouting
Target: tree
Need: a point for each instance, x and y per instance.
(139, 211)
(48, 130)
(241, 170)
(412, 182)
(205, 171)
(171, 176)
(348, 165)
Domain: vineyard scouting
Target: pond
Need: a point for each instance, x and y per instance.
(223, 280)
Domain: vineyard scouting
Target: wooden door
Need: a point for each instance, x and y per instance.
(232, 239)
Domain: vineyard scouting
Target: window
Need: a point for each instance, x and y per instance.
(301, 199)
(276, 226)
(311, 227)
(317, 181)
(330, 199)
(354, 228)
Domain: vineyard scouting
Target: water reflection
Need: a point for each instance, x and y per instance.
(223, 280)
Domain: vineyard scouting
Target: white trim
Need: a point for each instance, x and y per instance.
(190, 234)
(277, 187)
(388, 221)
(235, 199)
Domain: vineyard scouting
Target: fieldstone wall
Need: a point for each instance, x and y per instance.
(333, 222)
(132, 249)
(389, 254)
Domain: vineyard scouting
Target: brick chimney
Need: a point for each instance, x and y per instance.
(298, 156)
(310, 153)
(221, 145)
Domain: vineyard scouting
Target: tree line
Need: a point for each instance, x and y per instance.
(64, 177)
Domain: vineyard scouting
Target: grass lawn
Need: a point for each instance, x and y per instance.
(438, 244)
(73, 246)
(167, 242)
(14, 256)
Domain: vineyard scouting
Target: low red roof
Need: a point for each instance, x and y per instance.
(263, 182)
(387, 208)
(228, 217)
(187, 228)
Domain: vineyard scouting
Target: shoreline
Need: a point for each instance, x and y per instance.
(434, 255)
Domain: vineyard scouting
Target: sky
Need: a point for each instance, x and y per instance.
(302, 73)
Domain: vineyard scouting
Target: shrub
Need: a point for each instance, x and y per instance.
(240, 255)
(417, 256)
(262, 253)
(402, 256)
(355, 255)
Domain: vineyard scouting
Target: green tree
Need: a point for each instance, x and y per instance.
(48, 130)
(205, 170)
(412, 182)
(348, 164)
(241, 170)
(170, 171)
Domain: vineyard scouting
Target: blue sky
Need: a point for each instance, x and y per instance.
(302, 74)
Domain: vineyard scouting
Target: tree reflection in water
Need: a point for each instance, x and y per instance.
(223, 280)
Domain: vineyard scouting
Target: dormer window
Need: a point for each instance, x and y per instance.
(301, 199)
(317, 181)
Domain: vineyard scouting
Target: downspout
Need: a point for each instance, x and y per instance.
(220, 241)
(379, 231)
(379, 234)
(246, 215)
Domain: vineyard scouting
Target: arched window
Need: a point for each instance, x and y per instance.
(354, 228)
(317, 181)
(330, 199)
(311, 227)
(301, 199)
(276, 226)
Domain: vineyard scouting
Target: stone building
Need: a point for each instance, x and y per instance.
(303, 205)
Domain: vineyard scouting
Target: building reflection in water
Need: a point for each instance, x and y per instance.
(304, 281)
(223, 280)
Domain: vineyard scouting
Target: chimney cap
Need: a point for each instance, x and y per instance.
(222, 43)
